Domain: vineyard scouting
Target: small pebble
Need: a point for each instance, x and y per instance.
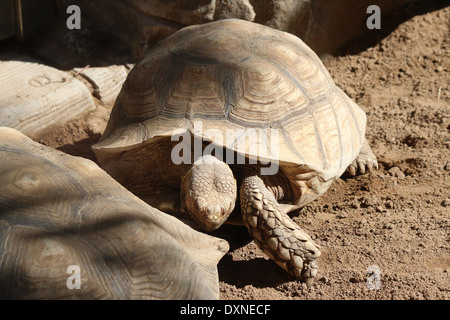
(354, 280)
(389, 204)
(342, 215)
(355, 205)
(396, 172)
(367, 202)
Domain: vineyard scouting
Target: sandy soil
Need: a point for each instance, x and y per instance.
(395, 219)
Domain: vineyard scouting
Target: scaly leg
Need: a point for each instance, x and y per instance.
(274, 232)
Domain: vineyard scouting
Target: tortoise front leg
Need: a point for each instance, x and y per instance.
(274, 232)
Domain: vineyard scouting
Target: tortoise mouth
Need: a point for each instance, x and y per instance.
(211, 216)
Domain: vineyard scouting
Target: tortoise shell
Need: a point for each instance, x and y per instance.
(61, 213)
(244, 87)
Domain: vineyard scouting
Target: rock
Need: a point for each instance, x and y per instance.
(106, 81)
(388, 226)
(140, 24)
(120, 22)
(354, 280)
(367, 202)
(447, 166)
(354, 205)
(239, 9)
(389, 204)
(396, 172)
(446, 203)
(190, 12)
(342, 215)
(323, 25)
(35, 96)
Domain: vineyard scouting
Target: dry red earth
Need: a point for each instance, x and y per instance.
(396, 218)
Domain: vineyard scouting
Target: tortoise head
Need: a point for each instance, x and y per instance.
(208, 192)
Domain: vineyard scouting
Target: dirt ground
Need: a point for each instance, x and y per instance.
(395, 219)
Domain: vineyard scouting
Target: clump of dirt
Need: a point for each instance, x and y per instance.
(77, 136)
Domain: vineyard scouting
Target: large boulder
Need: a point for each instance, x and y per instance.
(324, 25)
(142, 23)
(35, 96)
(190, 12)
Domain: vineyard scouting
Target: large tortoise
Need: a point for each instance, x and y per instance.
(246, 91)
(69, 231)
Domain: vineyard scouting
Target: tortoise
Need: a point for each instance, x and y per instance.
(69, 231)
(213, 94)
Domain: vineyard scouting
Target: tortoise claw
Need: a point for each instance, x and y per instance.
(351, 170)
(309, 273)
(365, 162)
